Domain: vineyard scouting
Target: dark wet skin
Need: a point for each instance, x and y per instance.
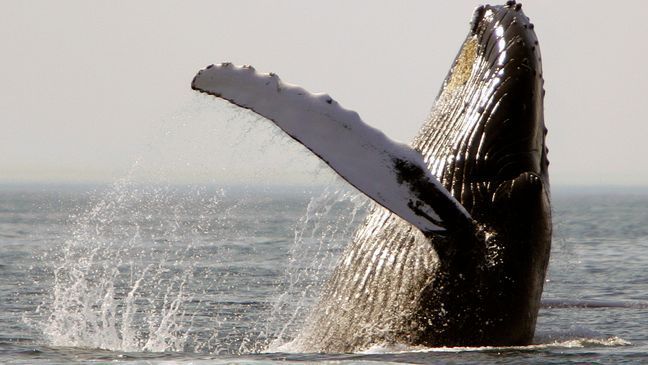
(485, 141)
(490, 280)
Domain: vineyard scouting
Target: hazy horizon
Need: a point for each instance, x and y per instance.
(93, 92)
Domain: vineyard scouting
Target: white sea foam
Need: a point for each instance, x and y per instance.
(575, 342)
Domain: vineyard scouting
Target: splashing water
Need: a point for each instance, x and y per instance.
(121, 280)
(132, 275)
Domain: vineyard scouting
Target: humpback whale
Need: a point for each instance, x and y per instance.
(455, 250)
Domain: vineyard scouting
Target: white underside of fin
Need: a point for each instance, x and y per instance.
(361, 154)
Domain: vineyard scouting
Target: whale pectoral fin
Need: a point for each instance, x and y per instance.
(391, 173)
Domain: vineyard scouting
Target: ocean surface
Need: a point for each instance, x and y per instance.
(148, 274)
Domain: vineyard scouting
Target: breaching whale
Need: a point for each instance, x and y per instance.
(455, 251)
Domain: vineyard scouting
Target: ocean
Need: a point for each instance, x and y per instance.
(169, 274)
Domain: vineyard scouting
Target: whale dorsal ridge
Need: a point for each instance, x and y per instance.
(391, 173)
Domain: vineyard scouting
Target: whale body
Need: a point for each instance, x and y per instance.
(456, 249)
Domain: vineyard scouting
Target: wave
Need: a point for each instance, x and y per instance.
(565, 343)
(581, 303)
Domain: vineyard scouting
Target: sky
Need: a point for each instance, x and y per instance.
(96, 90)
